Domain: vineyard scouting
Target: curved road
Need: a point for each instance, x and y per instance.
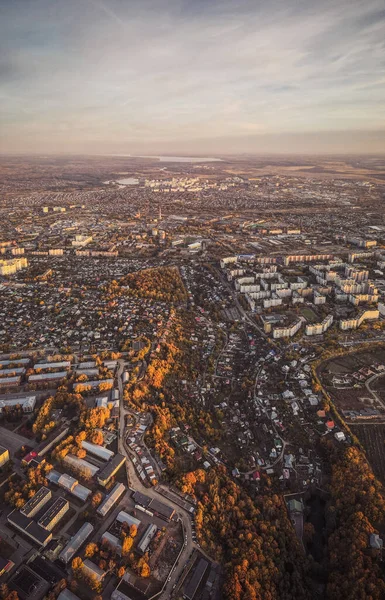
(135, 482)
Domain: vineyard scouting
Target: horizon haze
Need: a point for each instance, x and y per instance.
(192, 77)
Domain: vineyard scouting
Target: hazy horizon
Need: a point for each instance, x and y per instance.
(201, 77)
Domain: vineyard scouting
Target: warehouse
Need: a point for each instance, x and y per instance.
(93, 570)
(37, 501)
(111, 499)
(47, 376)
(66, 594)
(87, 365)
(67, 482)
(98, 451)
(162, 510)
(65, 364)
(4, 456)
(70, 484)
(10, 381)
(81, 464)
(124, 517)
(111, 468)
(14, 361)
(75, 543)
(147, 538)
(141, 499)
(54, 513)
(29, 528)
(197, 576)
(17, 371)
(112, 541)
(27, 403)
(89, 372)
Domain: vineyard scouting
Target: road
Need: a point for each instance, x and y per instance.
(263, 408)
(135, 482)
(374, 394)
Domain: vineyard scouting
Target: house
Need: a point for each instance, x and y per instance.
(375, 541)
(295, 506)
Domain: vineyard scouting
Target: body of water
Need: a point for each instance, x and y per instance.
(185, 159)
(125, 181)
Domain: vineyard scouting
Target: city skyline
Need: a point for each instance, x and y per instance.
(192, 77)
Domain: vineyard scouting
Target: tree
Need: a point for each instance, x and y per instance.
(77, 563)
(121, 571)
(96, 499)
(127, 545)
(145, 570)
(97, 437)
(90, 550)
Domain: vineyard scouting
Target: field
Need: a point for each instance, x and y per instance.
(372, 438)
(353, 399)
(309, 315)
(350, 363)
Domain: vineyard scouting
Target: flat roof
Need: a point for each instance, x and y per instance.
(29, 528)
(161, 508)
(192, 586)
(142, 499)
(111, 467)
(41, 497)
(53, 511)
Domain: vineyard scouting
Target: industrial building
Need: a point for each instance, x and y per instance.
(114, 542)
(70, 484)
(37, 501)
(155, 506)
(76, 543)
(66, 594)
(29, 528)
(91, 569)
(110, 469)
(54, 513)
(47, 376)
(4, 456)
(98, 451)
(124, 517)
(64, 364)
(27, 403)
(191, 588)
(10, 381)
(111, 499)
(147, 538)
(80, 464)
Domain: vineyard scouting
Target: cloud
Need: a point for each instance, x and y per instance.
(136, 71)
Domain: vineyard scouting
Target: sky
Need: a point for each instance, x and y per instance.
(192, 76)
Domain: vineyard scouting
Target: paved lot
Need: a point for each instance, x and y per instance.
(13, 441)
